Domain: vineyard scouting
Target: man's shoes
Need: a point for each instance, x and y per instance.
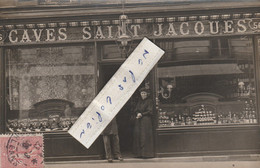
(109, 160)
(119, 158)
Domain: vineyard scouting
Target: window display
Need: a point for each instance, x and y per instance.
(215, 90)
(48, 87)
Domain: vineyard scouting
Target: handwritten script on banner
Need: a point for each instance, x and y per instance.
(116, 93)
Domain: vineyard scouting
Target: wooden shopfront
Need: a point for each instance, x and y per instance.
(204, 88)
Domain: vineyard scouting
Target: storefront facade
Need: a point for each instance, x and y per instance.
(205, 88)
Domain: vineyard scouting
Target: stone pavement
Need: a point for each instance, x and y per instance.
(230, 161)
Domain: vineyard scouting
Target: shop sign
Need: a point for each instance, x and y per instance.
(152, 30)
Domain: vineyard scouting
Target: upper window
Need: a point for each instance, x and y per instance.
(115, 51)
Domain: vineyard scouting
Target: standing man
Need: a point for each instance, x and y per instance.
(111, 142)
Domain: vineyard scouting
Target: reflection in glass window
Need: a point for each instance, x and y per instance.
(48, 87)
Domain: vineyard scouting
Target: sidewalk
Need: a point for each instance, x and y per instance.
(223, 161)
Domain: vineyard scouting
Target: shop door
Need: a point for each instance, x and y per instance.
(125, 125)
(125, 118)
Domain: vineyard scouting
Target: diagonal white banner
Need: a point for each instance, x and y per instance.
(116, 93)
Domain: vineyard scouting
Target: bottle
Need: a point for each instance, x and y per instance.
(172, 122)
(176, 120)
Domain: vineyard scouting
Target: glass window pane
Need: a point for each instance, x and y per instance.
(48, 85)
(212, 91)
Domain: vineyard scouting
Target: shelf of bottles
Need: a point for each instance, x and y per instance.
(208, 115)
(50, 124)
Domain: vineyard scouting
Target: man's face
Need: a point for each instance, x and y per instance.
(143, 95)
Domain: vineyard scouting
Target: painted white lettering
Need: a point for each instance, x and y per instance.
(62, 34)
(119, 30)
(228, 26)
(11, 34)
(87, 34)
(50, 35)
(242, 26)
(37, 35)
(135, 30)
(171, 30)
(99, 33)
(159, 32)
(199, 25)
(109, 32)
(181, 28)
(25, 37)
(211, 27)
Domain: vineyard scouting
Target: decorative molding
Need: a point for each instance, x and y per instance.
(225, 16)
(203, 17)
(52, 25)
(73, 24)
(182, 18)
(138, 21)
(214, 17)
(171, 19)
(63, 24)
(95, 23)
(149, 20)
(131, 21)
(257, 14)
(105, 22)
(20, 26)
(41, 25)
(9, 26)
(236, 15)
(247, 15)
(84, 23)
(30, 26)
(193, 18)
(159, 20)
(115, 22)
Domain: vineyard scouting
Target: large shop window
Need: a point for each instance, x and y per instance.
(48, 87)
(206, 82)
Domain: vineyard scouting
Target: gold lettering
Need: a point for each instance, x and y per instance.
(109, 32)
(211, 27)
(171, 30)
(119, 30)
(239, 25)
(50, 35)
(63, 35)
(135, 30)
(228, 26)
(99, 33)
(25, 36)
(196, 28)
(159, 32)
(181, 28)
(11, 34)
(37, 35)
(86, 32)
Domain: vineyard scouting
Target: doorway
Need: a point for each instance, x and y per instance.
(125, 117)
(125, 125)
